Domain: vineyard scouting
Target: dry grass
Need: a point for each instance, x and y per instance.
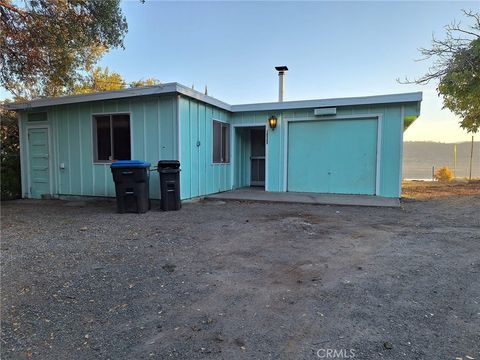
(423, 190)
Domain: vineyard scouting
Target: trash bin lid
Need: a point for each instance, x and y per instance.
(169, 164)
(130, 164)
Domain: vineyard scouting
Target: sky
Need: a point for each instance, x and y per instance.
(332, 49)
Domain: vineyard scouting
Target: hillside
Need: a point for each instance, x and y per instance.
(420, 157)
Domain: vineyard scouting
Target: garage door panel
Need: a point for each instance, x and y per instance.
(337, 156)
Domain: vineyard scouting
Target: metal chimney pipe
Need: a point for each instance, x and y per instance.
(281, 81)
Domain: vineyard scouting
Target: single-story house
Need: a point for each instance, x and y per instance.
(344, 145)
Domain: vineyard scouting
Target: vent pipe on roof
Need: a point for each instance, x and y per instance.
(281, 78)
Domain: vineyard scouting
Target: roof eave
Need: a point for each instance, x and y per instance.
(168, 88)
(171, 88)
(352, 101)
(99, 96)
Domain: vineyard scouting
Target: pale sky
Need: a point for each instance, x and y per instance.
(333, 49)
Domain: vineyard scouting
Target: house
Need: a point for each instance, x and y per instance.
(344, 145)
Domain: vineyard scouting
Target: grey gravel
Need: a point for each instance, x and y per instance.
(239, 280)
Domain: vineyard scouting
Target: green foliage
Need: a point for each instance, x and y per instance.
(146, 82)
(456, 65)
(444, 174)
(460, 87)
(408, 120)
(99, 79)
(9, 156)
(102, 79)
(45, 44)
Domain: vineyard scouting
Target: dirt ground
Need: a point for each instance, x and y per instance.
(241, 280)
(422, 190)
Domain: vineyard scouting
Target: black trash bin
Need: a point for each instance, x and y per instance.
(131, 179)
(169, 184)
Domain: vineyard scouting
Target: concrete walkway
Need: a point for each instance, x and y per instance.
(258, 194)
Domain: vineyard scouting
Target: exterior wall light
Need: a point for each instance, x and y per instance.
(272, 122)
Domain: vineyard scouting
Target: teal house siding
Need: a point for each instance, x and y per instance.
(273, 146)
(305, 152)
(390, 142)
(153, 127)
(199, 175)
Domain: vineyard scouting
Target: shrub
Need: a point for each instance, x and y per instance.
(444, 174)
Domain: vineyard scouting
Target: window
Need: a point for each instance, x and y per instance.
(221, 142)
(39, 116)
(111, 137)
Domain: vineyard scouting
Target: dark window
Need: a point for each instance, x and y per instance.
(39, 116)
(112, 137)
(221, 142)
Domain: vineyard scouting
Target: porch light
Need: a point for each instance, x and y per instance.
(272, 121)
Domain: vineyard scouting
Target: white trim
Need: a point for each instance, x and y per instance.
(190, 163)
(69, 168)
(49, 144)
(132, 129)
(378, 117)
(22, 154)
(159, 137)
(233, 149)
(339, 117)
(80, 152)
(285, 154)
(400, 173)
(56, 165)
(93, 167)
(267, 141)
(378, 174)
(144, 133)
(111, 113)
(179, 129)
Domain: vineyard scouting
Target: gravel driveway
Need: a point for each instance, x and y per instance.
(241, 280)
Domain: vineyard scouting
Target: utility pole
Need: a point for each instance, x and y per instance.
(471, 160)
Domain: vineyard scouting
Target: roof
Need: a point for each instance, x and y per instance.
(305, 104)
(176, 88)
(168, 88)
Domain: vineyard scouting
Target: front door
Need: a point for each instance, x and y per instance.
(38, 159)
(257, 157)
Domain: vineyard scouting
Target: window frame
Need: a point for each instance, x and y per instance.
(94, 134)
(223, 124)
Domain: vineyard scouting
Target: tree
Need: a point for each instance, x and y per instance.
(460, 87)
(99, 79)
(102, 79)
(45, 44)
(9, 155)
(146, 82)
(456, 66)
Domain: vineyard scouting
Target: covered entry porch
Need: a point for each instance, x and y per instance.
(250, 156)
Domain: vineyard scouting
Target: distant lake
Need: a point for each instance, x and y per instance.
(420, 157)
